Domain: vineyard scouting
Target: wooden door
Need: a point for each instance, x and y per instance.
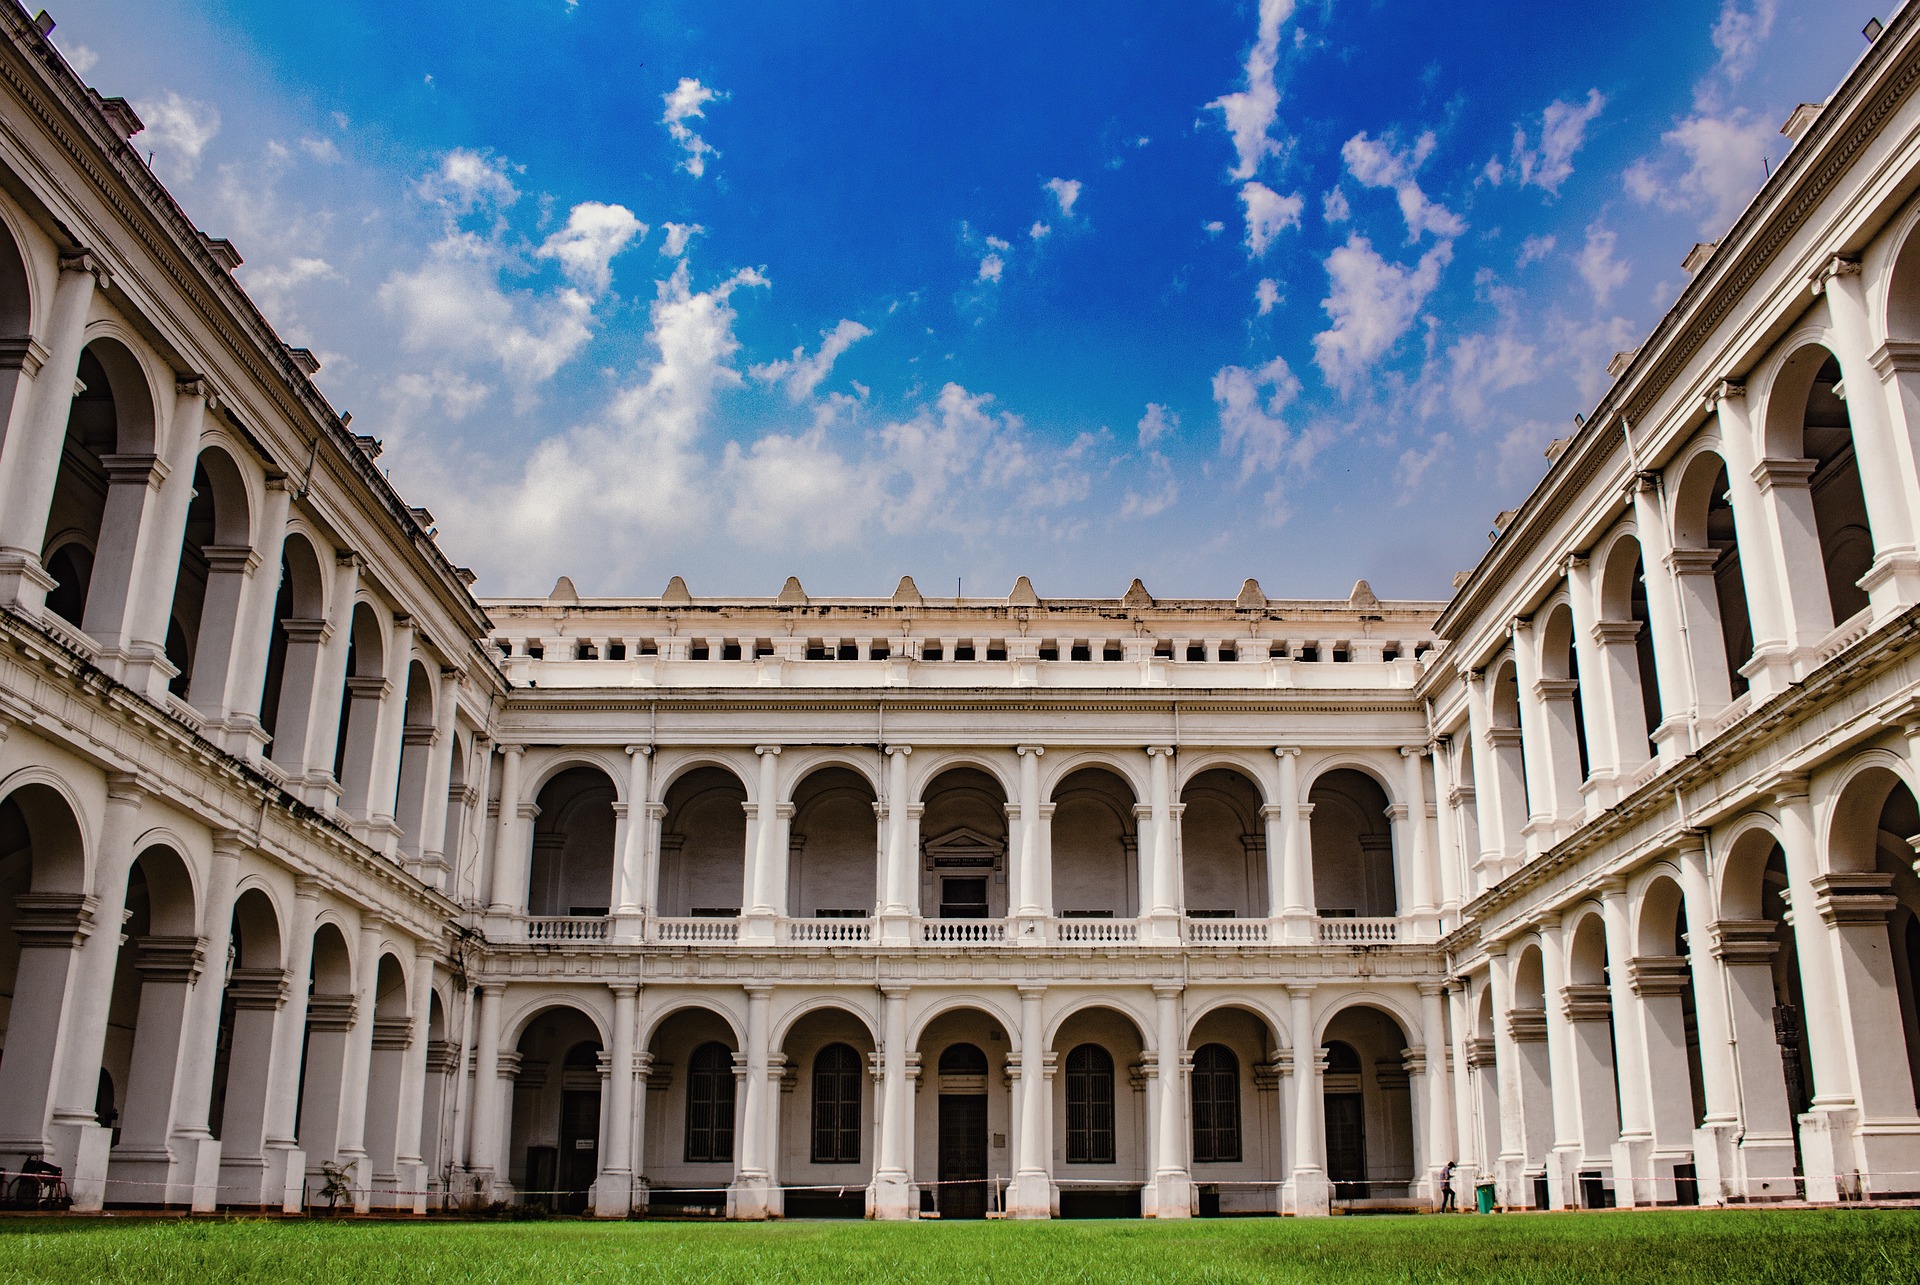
(1347, 1145)
(963, 1155)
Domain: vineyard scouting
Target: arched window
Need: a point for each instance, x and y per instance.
(1089, 1106)
(836, 1106)
(1216, 1104)
(710, 1104)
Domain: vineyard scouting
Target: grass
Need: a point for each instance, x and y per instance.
(1865, 1246)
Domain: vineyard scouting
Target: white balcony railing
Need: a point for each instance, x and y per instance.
(830, 932)
(567, 927)
(1227, 932)
(1844, 635)
(1096, 932)
(963, 932)
(693, 932)
(1359, 932)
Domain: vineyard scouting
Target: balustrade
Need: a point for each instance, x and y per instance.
(1227, 932)
(1096, 932)
(684, 932)
(967, 932)
(567, 927)
(1359, 932)
(812, 932)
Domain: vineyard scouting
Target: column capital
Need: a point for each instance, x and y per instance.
(127, 787)
(624, 990)
(495, 989)
(758, 990)
(1035, 750)
(1839, 265)
(894, 990)
(1301, 990)
(1726, 390)
(1413, 751)
(644, 751)
(511, 751)
(1165, 751)
(85, 260)
(1169, 990)
(1032, 990)
(1286, 751)
(1785, 785)
(766, 750)
(901, 750)
(1431, 990)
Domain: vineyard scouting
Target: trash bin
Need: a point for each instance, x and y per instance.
(1483, 1197)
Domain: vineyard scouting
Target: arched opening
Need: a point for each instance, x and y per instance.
(214, 557)
(571, 872)
(331, 1006)
(1663, 980)
(961, 1126)
(366, 686)
(158, 961)
(1870, 856)
(826, 1153)
(1760, 962)
(1096, 869)
(1713, 591)
(703, 845)
(1839, 505)
(392, 1035)
(1527, 1027)
(293, 654)
(1483, 1083)
(89, 556)
(1566, 721)
(1223, 846)
(1626, 643)
(1100, 1114)
(437, 1099)
(1235, 1113)
(1352, 847)
(692, 1112)
(1589, 1010)
(963, 846)
(419, 737)
(1368, 1107)
(833, 847)
(556, 1110)
(1507, 746)
(42, 906)
(249, 1012)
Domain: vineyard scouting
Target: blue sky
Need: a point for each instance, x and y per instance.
(1193, 292)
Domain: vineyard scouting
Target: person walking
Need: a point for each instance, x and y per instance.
(1446, 1189)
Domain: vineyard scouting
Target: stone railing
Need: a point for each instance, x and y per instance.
(1096, 932)
(567, 927)
(693, 932)
(1359, 932)
(1845, 634)
(1227, 932)
(815, 932)
(963, 932)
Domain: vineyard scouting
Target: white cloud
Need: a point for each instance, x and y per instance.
(1039, 231)
(1066, 191)
(1486, 364)
(1720, 165)
(1371, 303)
(1739, 32)
(1379, 163)
(178, 130)
(1563, 128)
(687, 101)
(593, 235)
(1165, 492)
(1598, 268)
(1213, 227)
(1268, 214)
(997, 243)
(1413, 465)
(802, 374)
(1334, 207)
(1267, 295)
(991, 267)
(678, 234)
(1534, 249)
(1250, 113)
(1156, 424)
(413, 394)
(272, 285)
(1251, 427)
(468, 180)
(789, 488)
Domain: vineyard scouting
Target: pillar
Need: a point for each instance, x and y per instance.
(1172, 1178)
(1761, 560)
(751, 1196)
(769, 855)
(410, 1125)
(613, 1194)
(1633, 1159)
(484, 1154)
(1030, 1194)
(1768, 1156)
(143, 665)
(1438, 1143)
(893, 1176)
(384, 787)
(194, 1176)
(1598, 791)
(1296, 863)
(357, 1065)
(253, 626)
(896, 862)
(1580, 1077)
(1418, 862)
(1165, 860)
(1308, 1190)
(632, 897)
(510, 854)
(1716, 1139)
(1537, 766)
(1031, 905)
(1446, 833)
(432, 840)
(286, 1162)
(1671, 661)
(322, 790)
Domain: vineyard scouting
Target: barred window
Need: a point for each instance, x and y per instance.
(1216, 1104)
(1090, 1106)
(710, 1104)
(836, 1106)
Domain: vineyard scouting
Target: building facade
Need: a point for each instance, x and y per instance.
(1597, 879)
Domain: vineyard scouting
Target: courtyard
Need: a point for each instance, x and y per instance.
(1863, 1246)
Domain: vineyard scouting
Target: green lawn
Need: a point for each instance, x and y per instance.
(1745, 1246)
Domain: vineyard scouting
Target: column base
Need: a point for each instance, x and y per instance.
(890, 1197)
(193, 1178)
(1168, 1195)
(1564, 1164)
(1888, 1154)
(24, 583)
(759, 929)
(629, 928)
(1768, 1168)
(82, 1150)
(410, 1187)
(1161, 929)
(751, 1198)
(1028, 929)
(1633, 1181)
(1892, 582)
(1307, 1194)
(1297, 925)
(1827, 1156)
(286, 1178)
(243, 1182)
(139, 1177)
(1030, 1195)
(1514, 1188)
(1716, 1162)
(613, 1193)
(895, 928)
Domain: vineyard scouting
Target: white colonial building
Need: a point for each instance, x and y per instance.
(1597, 879)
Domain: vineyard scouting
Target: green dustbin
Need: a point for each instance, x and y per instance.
(1483, 1197)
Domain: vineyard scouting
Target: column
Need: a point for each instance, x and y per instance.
(751, 1195)
(1030, 1194)
(1658, 983)
(434, 862)
(134, 485)
(30, 456)
(1603, 755)
(286, 1162)
(1438, 1142)
(1716, 1141)
(1671, 661)
(1580, 1058)
(1172, 1178)
(484, 1154)
(768, 854)
(322, 791)
(1165, 848)
(1537, 767)
(1466, 1137)
(384, 787)
(1031, 904)
(1761, 560)
(631, 896)
(1447, 833)
(896, 866)
(1887, 463)
(357, 1066)
(1492, 785)
(258, 995)
(1768, 1156)
(410, 1169)
(510, 854)
(194, 1176)
(614, 1191)
(893, 1178)
(1296, 862)
(145, 666)
(1308, 1189)
(1510, 1166)
(1418, 865)
(1633, 1154)
(253, 634)
(1699, 604)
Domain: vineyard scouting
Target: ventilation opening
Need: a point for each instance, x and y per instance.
(933, 653)
(762, 650)
(815, 652)
(536, 651)
(1277, 652)
(996, 653)
(730, 651)
(648, 647)
(585, 651)
(1308, 654)
(1229, 653)
(1196, 653)
(879, 653)
(1112, 653)
(1163, 651)
(1082, 652)
(848, 651)
(1049, 653)
(616, 651)
(1341, 655)
(698, 652)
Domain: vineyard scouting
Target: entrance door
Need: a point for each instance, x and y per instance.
(1347, 1146)
(963, 898)
(963, 1155)
(579, 1147)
